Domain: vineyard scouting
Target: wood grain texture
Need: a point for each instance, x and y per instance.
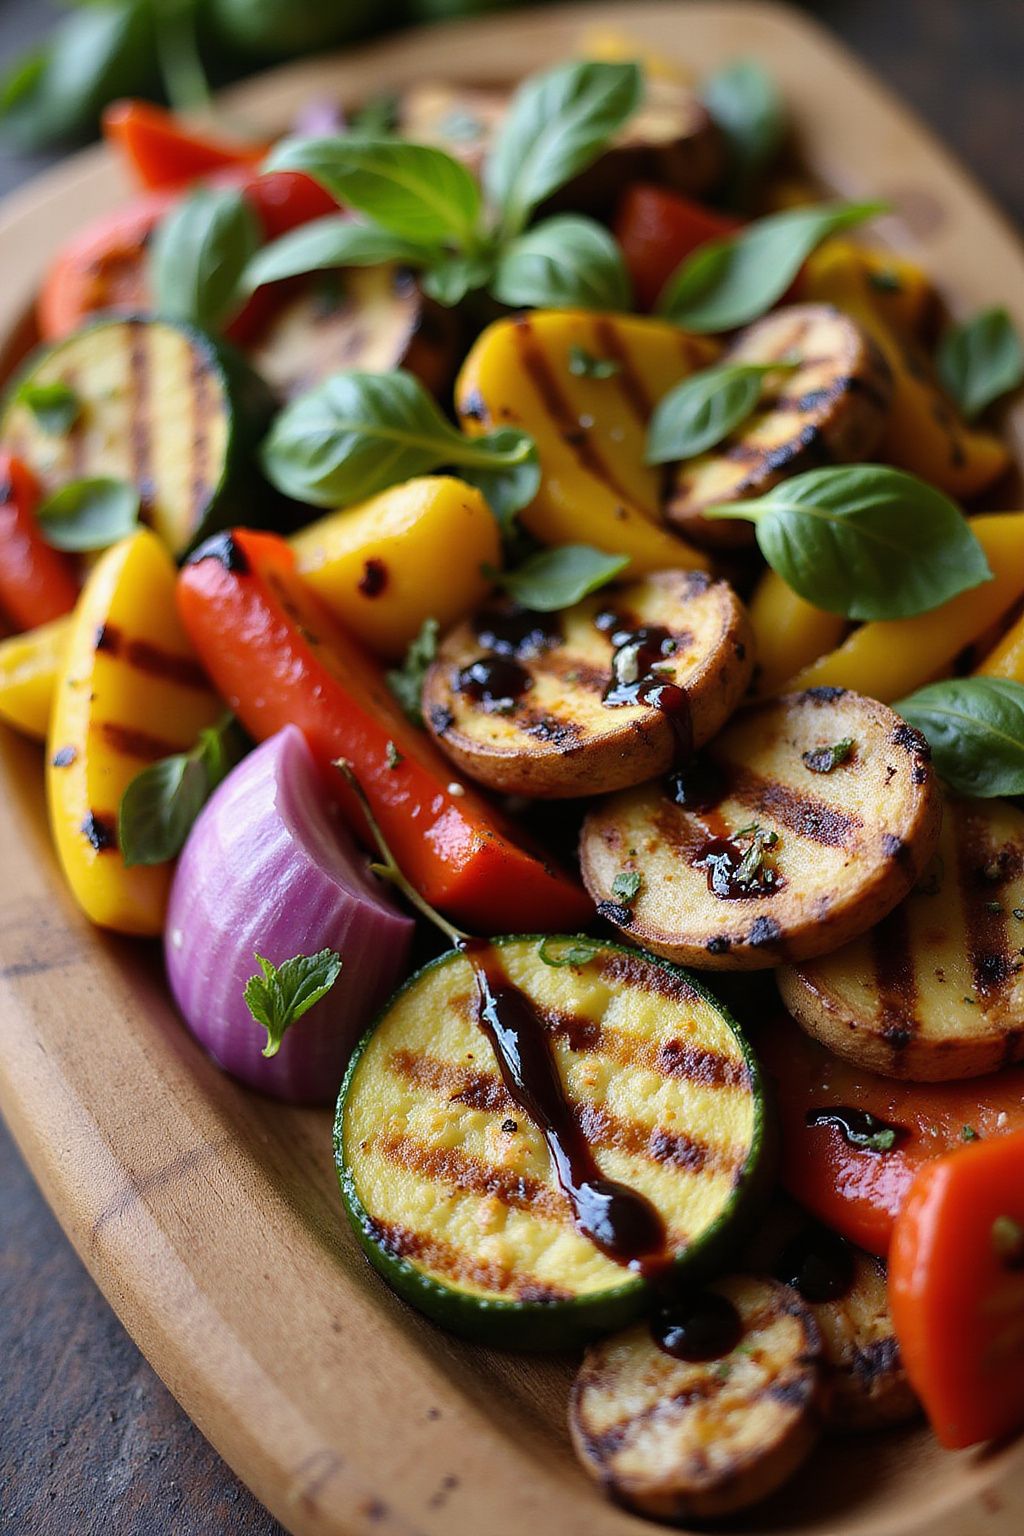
(208, 1215)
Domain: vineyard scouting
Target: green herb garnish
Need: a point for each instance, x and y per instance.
(282, 994)
(55, 406)
(975, 728)
(825, 759)
(557, 951)
(406, 681)
(89, 514)
(980, 360)
(161, 803)
(626, 885)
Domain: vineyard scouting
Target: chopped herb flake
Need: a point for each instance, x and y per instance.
(586, 366)
(825, 759)
(626, 885)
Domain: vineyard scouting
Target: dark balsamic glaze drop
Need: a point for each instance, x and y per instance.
(517, 631)
(496, 682)
(858, 1126)
(620, 1221)
(817, 1263)
(697, 785)
(636, 651)
(698, 1327)
(723, 859)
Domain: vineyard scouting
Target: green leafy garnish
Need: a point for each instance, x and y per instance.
(729, 282)
(968, 1133)
(864, 540)
(626, 885)
(89, 514)
(392, 755)
(161, 803)
(825, 759)
(283, 993)
(556, 578)
(980, 360)
(557, 951)
(406, 681)
(325, 244)
(975, 728)
(705, 408)
(868, 1132)
(568, 262)
(55, 406)
(746, 104)
(584, 365)
(200, 254)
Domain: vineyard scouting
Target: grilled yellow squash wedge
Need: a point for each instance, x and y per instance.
(679, 1440)
(829, 409)
(936, 991)
(29, 667)
(554, 705)
(810, 818)
(449, 1184)
(536, 372)
(789, 633)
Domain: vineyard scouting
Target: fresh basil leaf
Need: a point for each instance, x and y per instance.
(975, 728)
(284, 992)
(981, 360)
(704, 409)
(359, 433)
(55, 406)
(89, 514)
(556, 578)
(412, 190)
(451, 277)
(556, 950)
(406, 681)
(567, 262)
(200, 252)
(865, 541)
(558, 123)
(333, 241)
(748, 107)
(509, 477)
(161, 803)
(584, 365)
(729, 282)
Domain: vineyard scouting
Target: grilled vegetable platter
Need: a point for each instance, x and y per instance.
(516, 590)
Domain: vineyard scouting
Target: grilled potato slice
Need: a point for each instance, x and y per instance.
(677, 1440)
(373, 318)
(809, 818)
(562, 711)
(936, 991)
(830, 409)
(845, 1289)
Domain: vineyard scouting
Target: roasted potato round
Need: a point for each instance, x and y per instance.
(806, 821)
(605, 694)
(935, 991)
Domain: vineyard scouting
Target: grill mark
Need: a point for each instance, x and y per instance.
(199, 380)
(149, 658)
(535, 365)
(892, 956)
(626, 968)
(799, 812)
(99, 831)
(477, 1090)
(629, 381)
(75, 438)
(561, 664)
(433, 1253)
(131, 743)
(987, 946)
(459, 1170)
(139, 414)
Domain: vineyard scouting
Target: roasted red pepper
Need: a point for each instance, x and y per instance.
(657, 230)
(956, 1290)
(855, 1189)
(37, 583)
(277, 657)
(160, 152)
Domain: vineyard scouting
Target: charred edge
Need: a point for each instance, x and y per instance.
(148, 658)
(987, 939)
(374, 578)
(763, 931)
(139, 409)
(803, 814)
(433, 1253)
(825, 693)
(628, 968)
(441, 719)
(474, 407)
(615, 912)
(876, 1360)
(892, 954)
(64, 757)
(100, 832)
(225, 549)
(894, 847)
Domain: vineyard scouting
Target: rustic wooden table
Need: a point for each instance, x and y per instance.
(91, 1443)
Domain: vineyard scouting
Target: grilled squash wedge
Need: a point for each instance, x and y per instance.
(847, 1294)
(829, 409)
(936, 991)
(161, 406)
(449, 1184)
(553, 705)
(810, 818)
(591, 433)
(373, 318)
(679, 1440)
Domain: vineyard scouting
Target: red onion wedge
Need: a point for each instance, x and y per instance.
(266, 869)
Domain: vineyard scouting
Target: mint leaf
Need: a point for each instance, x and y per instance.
(283, 993)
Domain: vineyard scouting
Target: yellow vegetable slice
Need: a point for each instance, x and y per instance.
(789, 632)
(29, 665)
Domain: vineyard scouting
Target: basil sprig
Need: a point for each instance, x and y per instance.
(89, 514)
(729, 282)
(281, 994)
(980, 360)
(161, 803)
(705, 408)
(975, 727)
(358, 433)
(333, 241)
(567, 261)
(556, 578)
(200, 252)
(55, 406)
(864, 540)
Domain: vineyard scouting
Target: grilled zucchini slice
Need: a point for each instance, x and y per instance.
(160, 406)
(677, 1440)
(846, 1292)
(936, 991)
(830, 409)
(553, 705)
(809, 818)
(372, 318)
(449, 1185)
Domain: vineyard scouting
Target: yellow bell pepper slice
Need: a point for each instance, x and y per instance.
(899, 291)
(129, 693)
(414, 552)
(790, 632)
(534, 372)
(892, 657)
(1006, 658)
(29, 664)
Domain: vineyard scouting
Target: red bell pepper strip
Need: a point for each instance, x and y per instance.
(857, 1191)
(956, 1290)
(278, 657)
(657, 230)
(37, 583)
(161, 153)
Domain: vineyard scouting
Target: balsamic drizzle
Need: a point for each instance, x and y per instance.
(859, 1127)
(637, 652)
(817, 1263)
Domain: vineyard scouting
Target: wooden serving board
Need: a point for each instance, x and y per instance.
(208, 1215)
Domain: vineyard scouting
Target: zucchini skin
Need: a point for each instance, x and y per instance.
(551, 1326)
